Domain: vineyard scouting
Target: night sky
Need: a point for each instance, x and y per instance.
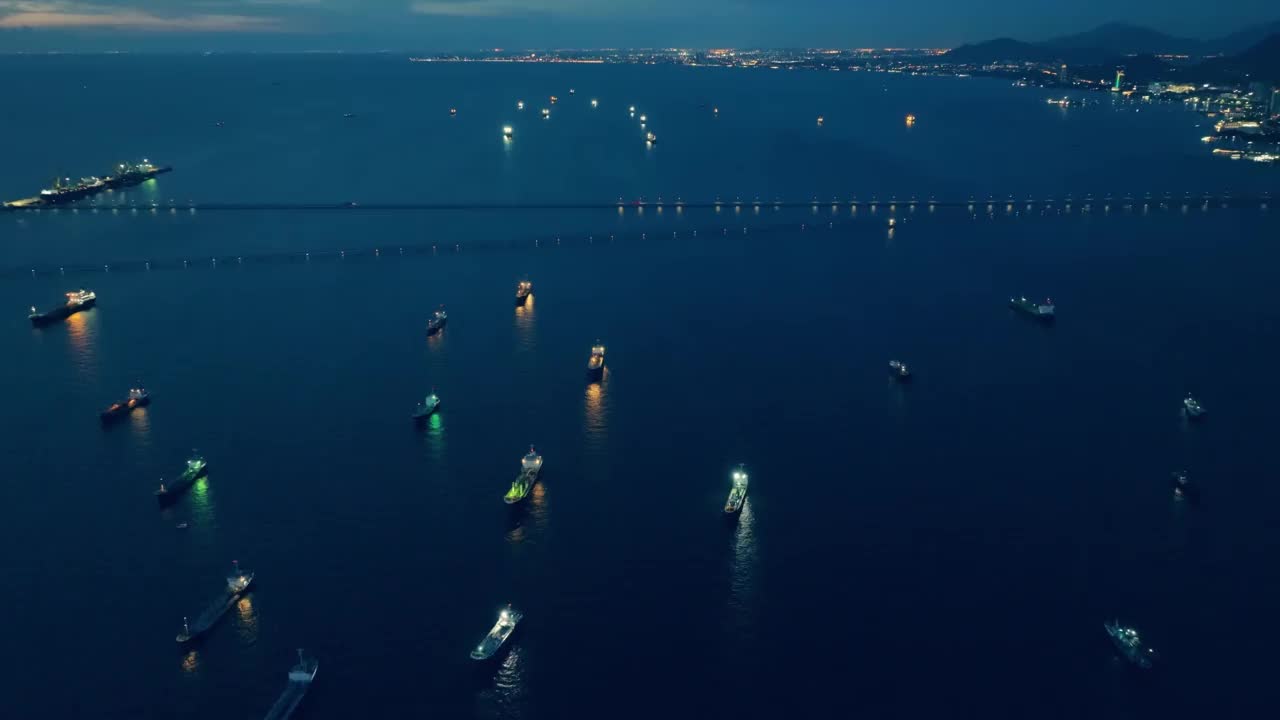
(474, 24)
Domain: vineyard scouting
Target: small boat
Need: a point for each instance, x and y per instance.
(1044, 312)
(182, 526)
(554, 99)
(453, 112)
(595, 103)
(651, 138)
(546, 113)
(1183, 488)
(595, 364)
(437, 322)
(572, 91)
(138, 397)
(1192, 408)
(899, 370)
(523, 290)
(507, 131)
(348, 115)
(1129, 644)
(821, 120)
(737, 492)
(427, 407)
(491, 643)
(519, 104)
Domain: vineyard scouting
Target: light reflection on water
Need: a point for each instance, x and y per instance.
(204, 522)
(434, 436)
(140, 427)
(526, 325)
(82, 334)
(596, 414)
(504, 697)
(528, 520)
(897, 399)
(246, 620)
(191, 662)
(742, 584)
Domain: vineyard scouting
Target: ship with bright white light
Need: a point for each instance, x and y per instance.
(1130, 645)
(492, 642)
(737, 491)
(76, 301)
(595, 363)
(437, 322)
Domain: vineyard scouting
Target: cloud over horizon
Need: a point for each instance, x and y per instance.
(65, 14)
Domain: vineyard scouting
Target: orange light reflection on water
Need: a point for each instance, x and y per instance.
(81, 333)
(247, 619)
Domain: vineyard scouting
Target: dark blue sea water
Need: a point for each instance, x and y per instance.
(949, 548)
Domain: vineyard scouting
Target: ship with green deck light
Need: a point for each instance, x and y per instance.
(168, 492)
(530, 466)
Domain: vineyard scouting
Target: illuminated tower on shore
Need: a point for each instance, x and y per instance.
(1119, 79)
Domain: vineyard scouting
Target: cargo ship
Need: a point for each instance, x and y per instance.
(737, 493)
(899, 370)
(522, 291)
(530, 466)
(595, 364)
(130, 174)
(1129, 644)
(138, 397)
(300, 677)
(491, 643)
(1192, 408)
(1044, 312)
(76, 301)
(238, 582)
(1183, 488)
(196, 467)
(437, 322)
(426, 407)
(65, 191)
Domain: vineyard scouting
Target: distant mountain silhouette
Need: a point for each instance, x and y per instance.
(1241, 41)
(1124, 39)
(1108, 43)
(1000, 50)
(1259, 63)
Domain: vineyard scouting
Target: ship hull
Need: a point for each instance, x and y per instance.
(527, 488)
(211, 615)
(131, 179)
(179, 487)
(596, 373)
(1033, 312)
(521, 299)
(422, 415)
(60, 313)
(117, 412)
(434, 329)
